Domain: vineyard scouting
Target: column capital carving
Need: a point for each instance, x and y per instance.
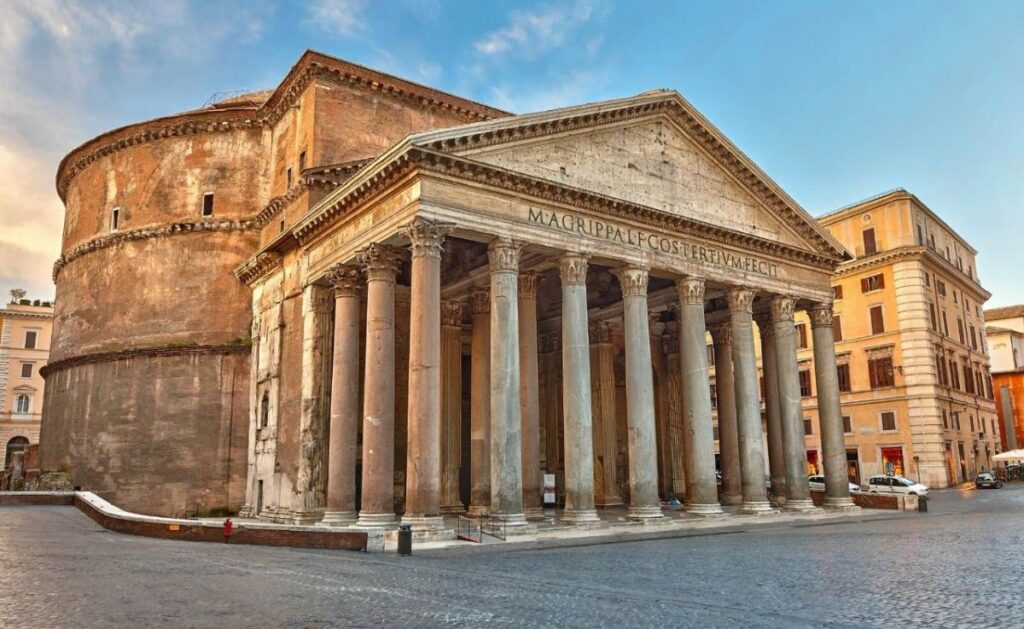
(572, 268)
(691, 291)
(381, 262)
(345, 279)
(764, 325)
(528, 283)
(740, 299)
(503, 254)
(820, 315)
(782, 309)
(549, 342)
(633, 280)
(721, 334)
(426, 236)
(481, 301)
(600, 332)
(451, 313)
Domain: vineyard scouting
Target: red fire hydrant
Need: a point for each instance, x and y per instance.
(228, 527)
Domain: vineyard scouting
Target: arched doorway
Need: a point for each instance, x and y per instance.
(16, 444)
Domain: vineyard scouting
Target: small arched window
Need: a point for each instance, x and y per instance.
(22, 404)
(17, 444)
(265, 410)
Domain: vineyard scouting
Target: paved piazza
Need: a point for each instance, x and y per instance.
(959, 565)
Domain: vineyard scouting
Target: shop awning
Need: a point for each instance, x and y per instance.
(1009, 455)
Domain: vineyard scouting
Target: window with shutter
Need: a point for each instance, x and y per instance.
(931, 317)
(805, 383)
(880, 372)
(801, 336)
(847, 424)
(888, 421)
(843, 376)
(877, 323)
(837, 328)
(870, 247)
(837, 291)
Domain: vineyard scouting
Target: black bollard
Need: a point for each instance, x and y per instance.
(404, 539)
(922, 504)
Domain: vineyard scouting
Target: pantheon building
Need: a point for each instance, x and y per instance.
(359, 301)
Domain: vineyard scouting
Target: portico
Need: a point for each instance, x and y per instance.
(540, 293)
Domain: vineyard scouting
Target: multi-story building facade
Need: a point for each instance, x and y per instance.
(1005, 330)
(24, 349)
(910, 343)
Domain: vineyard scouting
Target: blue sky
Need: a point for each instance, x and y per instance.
(834, 100)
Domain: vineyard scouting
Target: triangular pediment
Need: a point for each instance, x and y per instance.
(652, 150)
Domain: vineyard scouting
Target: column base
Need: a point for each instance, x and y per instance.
(376, 520)
(514, 523)
(339, 518)
(730, 499)
(534, 514)
(644, 514)
(457, 507)
(757, 507)
(303, 517)
(478, 511)
(578, 516)
(840, 504)
(424, 522)
(247, 512)
(705, 510)
(800, 505)
(609, 501)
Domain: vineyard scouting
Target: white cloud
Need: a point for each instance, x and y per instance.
(341, 17)
(560, 91)
(529, 33)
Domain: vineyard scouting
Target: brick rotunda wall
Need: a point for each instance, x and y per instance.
(146, 398)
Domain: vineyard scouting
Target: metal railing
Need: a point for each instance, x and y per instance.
(469, 529)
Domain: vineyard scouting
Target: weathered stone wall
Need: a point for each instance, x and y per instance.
(159, 434)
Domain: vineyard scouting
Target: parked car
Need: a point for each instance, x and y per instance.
(987, 479)
(896, 485)
(817, 483)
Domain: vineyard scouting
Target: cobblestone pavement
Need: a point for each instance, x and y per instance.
(958, 565)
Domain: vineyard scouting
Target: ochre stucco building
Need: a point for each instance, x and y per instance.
(355, 298)
(24, 349)
(910, 336)
(1005, 329)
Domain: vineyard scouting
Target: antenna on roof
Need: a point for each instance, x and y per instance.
(217, 97)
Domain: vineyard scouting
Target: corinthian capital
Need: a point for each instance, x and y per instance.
(691, 291)
(782, 309)
(528, 283)
(381, 262)
(633, 280)
(503, 254)
(451, 313)
(721, 334)
(600, 332)
(821, 315)
(345, 279)
(740, 299)
(572, 268)
(481, 301)
(426, 236)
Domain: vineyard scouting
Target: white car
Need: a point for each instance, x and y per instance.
(817, 483)
(896, 485)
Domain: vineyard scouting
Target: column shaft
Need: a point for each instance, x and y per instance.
(603, 414)
(344, 431)
(506, 418)
(451, 405)
(728, 433)
(773, 419)
(830, 418)
(576, 404)
(748, 407)
(480, 405)
(643, 456)
(798, 495)
(529, 396)
(699, 442)
(378, 494)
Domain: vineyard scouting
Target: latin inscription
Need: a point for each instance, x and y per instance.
(629, 236)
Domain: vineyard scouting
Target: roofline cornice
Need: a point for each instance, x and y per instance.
(910, 253)
(310, 66)
(17, 314)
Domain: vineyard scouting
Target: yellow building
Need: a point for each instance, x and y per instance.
(24, 348)
(911, 352)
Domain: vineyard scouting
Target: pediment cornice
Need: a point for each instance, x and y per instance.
(421, 160)
(666, 103)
